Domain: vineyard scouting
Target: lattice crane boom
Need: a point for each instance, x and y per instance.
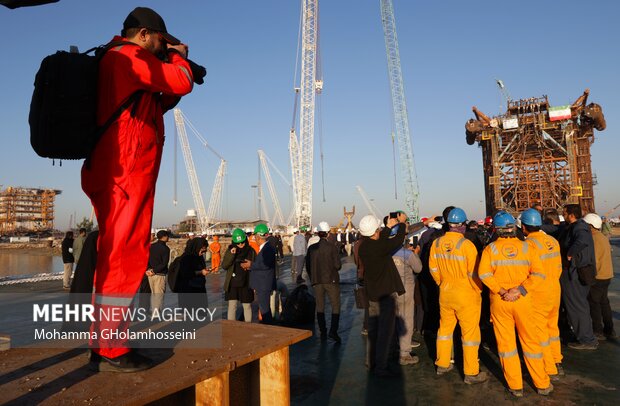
(191, 171)
(272, 190)
(399, 111)
(301, 149)
(215, 203)
(369, 205)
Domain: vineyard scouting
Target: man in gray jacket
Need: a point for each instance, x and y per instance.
(299, 254)
(323, 264)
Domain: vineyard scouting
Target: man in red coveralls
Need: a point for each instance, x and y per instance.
(120, 176)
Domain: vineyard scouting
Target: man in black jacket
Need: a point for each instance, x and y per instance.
(67, 259)
(577, 249)
(159, 257)
(383, 284)
(323, 261)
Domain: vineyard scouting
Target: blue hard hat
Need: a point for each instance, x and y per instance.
(503, 219)
(456, 216)
(531, 217)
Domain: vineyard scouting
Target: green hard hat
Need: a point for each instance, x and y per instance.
(261, 229)
(238, 236)
(303, 228)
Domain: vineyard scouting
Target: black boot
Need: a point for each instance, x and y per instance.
(320, 317)
(333, 329)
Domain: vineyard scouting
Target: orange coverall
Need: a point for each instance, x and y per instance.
(452, 263)
(216, 257)
(508, 263)
(120, 176)
(546, 298)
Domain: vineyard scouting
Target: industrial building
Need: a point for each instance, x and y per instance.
(26, 210)
(537, 153)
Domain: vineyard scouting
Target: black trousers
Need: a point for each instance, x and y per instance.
(381, 325)
(575, 300)
(600, 310)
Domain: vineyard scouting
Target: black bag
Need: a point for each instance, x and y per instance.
(299, 307)
(173, 273)
(361, 299)
(587, 275)
(63, 110)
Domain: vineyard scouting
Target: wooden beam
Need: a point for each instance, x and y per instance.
(275, 378)
(214, 391)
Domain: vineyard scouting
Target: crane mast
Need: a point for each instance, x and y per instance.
(191, 171)
(301, 148)
(277, 215)
(399, 111)
(369, 205)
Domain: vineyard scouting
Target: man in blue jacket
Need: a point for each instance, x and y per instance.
(263, 273)
(578, 273)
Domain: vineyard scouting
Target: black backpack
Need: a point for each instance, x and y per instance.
(173, 273)
(63, 109)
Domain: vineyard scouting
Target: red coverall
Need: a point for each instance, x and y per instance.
(546, 298)
(508, 263)
(121, 174)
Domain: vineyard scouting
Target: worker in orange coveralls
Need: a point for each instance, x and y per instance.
(546, 297)
(120, 175)
(216, 257)
(452, 263)
(512, 270)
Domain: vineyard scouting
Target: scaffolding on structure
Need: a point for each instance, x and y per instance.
(25, 210)
(537, 154)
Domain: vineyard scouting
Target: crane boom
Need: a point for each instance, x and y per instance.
(272, 191)
(191, 171)
(399, 111)
(302, 149)
(369, 205)
(215, 203)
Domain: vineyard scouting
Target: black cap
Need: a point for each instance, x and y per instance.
(162, 233)
(144, 17)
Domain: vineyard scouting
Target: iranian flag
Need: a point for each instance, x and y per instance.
(559, 113)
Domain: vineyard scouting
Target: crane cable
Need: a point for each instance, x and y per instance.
(319, 76)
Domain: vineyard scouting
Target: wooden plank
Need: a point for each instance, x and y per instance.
(275, 379)
(214, 391)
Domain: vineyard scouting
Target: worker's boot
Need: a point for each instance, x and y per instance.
(546, 391)
(474, 379)
(320, 318)
(333, 329)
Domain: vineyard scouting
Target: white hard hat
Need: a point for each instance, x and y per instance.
(518, 222)
(435, 224)
(191, 234)
(368, 225)
(315, 229)
(340, 230)
(594, 220)
(323, 226)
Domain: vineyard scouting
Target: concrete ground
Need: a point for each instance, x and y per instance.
(324, 373)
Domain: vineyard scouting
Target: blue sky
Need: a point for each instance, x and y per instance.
(451, 52)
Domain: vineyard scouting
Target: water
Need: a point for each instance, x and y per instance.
(28, 263)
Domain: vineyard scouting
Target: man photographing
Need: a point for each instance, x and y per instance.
(121, 173)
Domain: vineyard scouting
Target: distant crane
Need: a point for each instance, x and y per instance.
(610, 212)
(301, 149)
(264, 159)
(504, 91)
(399, 111)
(205, 218)
(369, 204)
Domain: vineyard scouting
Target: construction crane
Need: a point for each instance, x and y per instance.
(205, 218)
(505, 93)
(301, 149)
(277, 215)
(369, 204)
(610, 212)
(399, 111)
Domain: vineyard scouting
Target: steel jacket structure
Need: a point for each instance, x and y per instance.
(120, 176)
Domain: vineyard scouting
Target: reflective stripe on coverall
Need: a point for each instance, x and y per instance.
(546, 298)
(452, 264)
(120, 176)
(508, 263)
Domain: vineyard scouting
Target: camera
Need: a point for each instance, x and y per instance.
(393, 214)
